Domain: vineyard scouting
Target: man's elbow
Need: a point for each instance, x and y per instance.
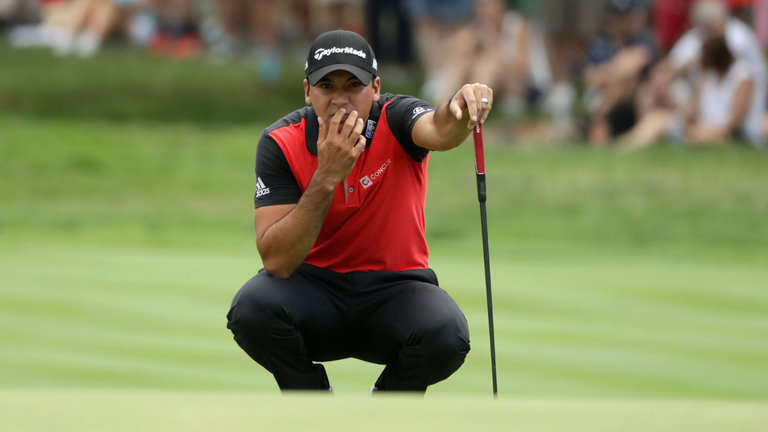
(277, 269)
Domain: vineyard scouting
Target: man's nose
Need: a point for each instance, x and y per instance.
(340, 98)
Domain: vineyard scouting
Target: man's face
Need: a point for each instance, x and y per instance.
(341, 89)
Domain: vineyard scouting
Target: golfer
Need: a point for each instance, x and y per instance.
(339, 224)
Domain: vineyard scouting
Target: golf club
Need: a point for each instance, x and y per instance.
(477, 134)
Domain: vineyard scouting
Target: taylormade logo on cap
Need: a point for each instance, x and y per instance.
(340, 50)
(321, 52)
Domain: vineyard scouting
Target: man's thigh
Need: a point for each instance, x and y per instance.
(408, 313)
(298, 304)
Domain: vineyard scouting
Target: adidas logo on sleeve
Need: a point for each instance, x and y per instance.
(261, 189)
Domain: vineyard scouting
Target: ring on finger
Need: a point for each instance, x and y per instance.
(484, 100)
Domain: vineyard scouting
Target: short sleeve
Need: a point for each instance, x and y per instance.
(686, 49)
(275, 183)
(402, 114)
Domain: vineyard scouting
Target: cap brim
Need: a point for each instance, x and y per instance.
(364, 76)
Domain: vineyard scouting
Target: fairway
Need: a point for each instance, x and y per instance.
(630, 289)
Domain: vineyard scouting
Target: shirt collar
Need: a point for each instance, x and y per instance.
(311, 130)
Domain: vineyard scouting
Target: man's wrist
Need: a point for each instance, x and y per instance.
(323, 183)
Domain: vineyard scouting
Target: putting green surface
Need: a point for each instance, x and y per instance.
(86, 411)
(101, 316)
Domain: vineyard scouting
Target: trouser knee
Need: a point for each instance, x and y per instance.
(264, 328)
(447, 350)
(254, 313)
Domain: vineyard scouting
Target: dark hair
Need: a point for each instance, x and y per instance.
(716, 55)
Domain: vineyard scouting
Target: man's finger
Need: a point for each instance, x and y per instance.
(358, 126)
(349, 125)
(335, 125)
(471, 108)
(355, 135)
(486, 99)
(322, 130)
(455, 108)
(484, 111)
(486, 102)
(360, 144)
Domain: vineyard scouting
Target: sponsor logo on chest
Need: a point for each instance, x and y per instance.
(368, 180)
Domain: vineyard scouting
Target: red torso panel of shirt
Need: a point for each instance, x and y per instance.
(376, 219)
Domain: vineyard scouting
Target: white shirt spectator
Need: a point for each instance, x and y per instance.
(745, 46)
(717, 95)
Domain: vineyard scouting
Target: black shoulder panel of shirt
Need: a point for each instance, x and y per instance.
(275, 181)
(402, 115)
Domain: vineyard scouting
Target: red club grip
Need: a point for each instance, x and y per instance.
(477, 134)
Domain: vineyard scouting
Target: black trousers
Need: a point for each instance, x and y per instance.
(402, 320)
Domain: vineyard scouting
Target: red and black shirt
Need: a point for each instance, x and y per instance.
(376, 218)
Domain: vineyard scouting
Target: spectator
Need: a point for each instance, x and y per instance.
(253, 24)
(567, 25)
(261, 28)
(673, 81)
(138, 22)
(177, 30)
(70, 27)
(760, 21)
(741, 9)
(445, 40)
(616, 60)
(502, 58)
(722, 107)
(389, 30)
(19, 11)
(337, 14)
(670, 21)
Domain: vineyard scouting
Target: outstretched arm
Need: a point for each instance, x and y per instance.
(448, 126)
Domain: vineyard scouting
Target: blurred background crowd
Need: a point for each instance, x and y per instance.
(622, 72)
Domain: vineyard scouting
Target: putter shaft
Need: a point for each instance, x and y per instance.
(477, 133)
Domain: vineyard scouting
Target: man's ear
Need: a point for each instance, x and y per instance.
(376, 89)
(307, 100)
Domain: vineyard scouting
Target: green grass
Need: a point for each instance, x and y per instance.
(128, 86)
(120, 316)
(183, 411)
(629, 289)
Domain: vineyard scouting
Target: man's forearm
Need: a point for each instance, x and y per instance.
(451, 132)
(286, 244)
